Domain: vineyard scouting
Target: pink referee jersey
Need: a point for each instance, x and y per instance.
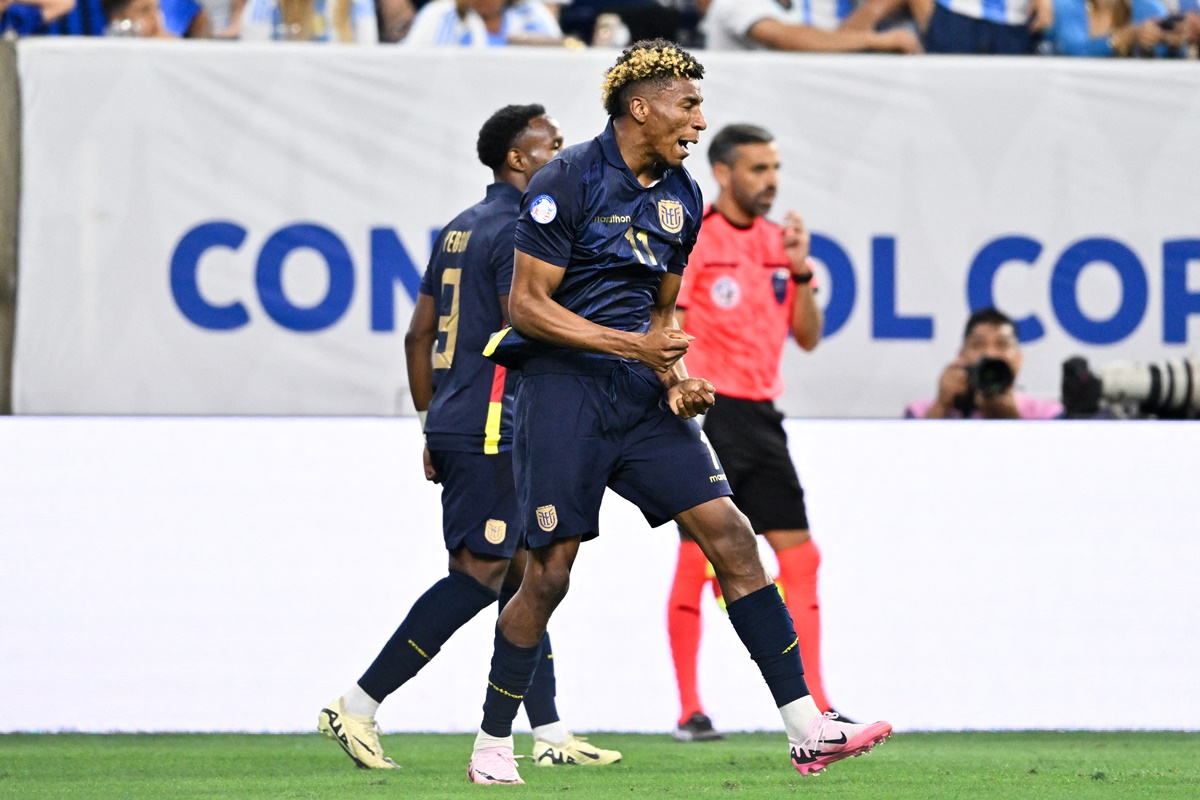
(737, 292)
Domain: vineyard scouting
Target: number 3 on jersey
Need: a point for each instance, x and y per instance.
(443, 356)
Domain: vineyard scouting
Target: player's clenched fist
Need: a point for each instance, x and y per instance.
(691, 396)
(660, 348)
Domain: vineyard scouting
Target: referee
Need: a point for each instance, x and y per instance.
(748, 287)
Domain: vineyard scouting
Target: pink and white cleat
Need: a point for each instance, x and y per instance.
(493, 765)
(830, 740)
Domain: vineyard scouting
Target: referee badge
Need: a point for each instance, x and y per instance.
(779, 284)
(670, 215)
(547, 518)
(725, 292)
(495, 531)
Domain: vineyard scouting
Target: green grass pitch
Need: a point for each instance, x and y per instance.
(942, 765)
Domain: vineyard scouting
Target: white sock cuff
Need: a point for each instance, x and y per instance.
(483, 741)
(798, 716)
(359, 703)
(555, 733)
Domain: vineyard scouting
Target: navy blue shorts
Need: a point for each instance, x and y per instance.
(581, 428)
(479, 502)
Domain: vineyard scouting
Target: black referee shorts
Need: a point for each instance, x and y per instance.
(749, 439)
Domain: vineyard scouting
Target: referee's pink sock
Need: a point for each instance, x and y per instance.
(683, 624)
(798, 577)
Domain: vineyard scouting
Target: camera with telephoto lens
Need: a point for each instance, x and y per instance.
(991, 376)
(987, 376)
(1123, 390)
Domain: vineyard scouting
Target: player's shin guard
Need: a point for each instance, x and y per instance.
(798, 576)
(683, 624)
(444, 608)
(508, 683)
(765, 627)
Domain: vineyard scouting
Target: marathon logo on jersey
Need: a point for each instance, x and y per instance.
(543, 209)
(495, 531)
(670, 215)
(779, 283)
(547, 517)
(726, 293)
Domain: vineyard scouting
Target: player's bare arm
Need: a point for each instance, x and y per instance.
(418, 351)
(535, 313)
(686, 396)
(807, 317)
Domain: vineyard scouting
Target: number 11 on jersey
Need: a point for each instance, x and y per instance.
(640, 242)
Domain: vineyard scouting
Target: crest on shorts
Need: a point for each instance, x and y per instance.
(495, 531)
(547, 518)
(670, 215)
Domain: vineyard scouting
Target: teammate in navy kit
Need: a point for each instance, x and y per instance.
(465, 407)
(604, 399)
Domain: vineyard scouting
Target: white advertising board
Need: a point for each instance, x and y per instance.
(236, 574)
(213, 228)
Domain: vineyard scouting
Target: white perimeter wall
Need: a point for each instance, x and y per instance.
(234, 574)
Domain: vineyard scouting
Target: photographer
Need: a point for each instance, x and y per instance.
(979, 384)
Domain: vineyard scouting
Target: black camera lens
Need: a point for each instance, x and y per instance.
(990, 376)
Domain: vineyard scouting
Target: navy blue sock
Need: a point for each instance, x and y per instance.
(508, 682)
(539, 700)
(444, 608)
(764, 625)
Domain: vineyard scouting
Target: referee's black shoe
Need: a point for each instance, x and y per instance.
(697, 728)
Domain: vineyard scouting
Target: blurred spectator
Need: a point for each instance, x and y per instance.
(156, 19)
(225, 16)
(348, 21)
(1105, 27)
(447, 23)
(395, 18)
(981, 382)
(993, 27)
(869, 15)
(483, 23)
(782, 25)
(590, 20)
(31, 16)
(86, 18)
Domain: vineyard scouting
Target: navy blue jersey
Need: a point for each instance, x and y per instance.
(586, 212)
(471, 266)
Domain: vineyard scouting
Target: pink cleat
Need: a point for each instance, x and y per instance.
(830, 740)
(494, 765)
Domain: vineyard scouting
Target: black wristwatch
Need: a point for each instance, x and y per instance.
(802, 279)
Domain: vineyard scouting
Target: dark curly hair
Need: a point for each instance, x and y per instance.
(498, 134)
(646, 60)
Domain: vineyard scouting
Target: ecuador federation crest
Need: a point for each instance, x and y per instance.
(670, 215)
(547, 518)
(495, 531)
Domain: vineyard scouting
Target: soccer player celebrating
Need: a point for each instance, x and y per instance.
(464, 403)
(604, 399)
(750, 285)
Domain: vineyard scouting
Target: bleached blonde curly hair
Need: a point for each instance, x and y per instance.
(646, 60)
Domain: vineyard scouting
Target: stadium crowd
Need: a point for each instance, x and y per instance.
(1095, 28)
